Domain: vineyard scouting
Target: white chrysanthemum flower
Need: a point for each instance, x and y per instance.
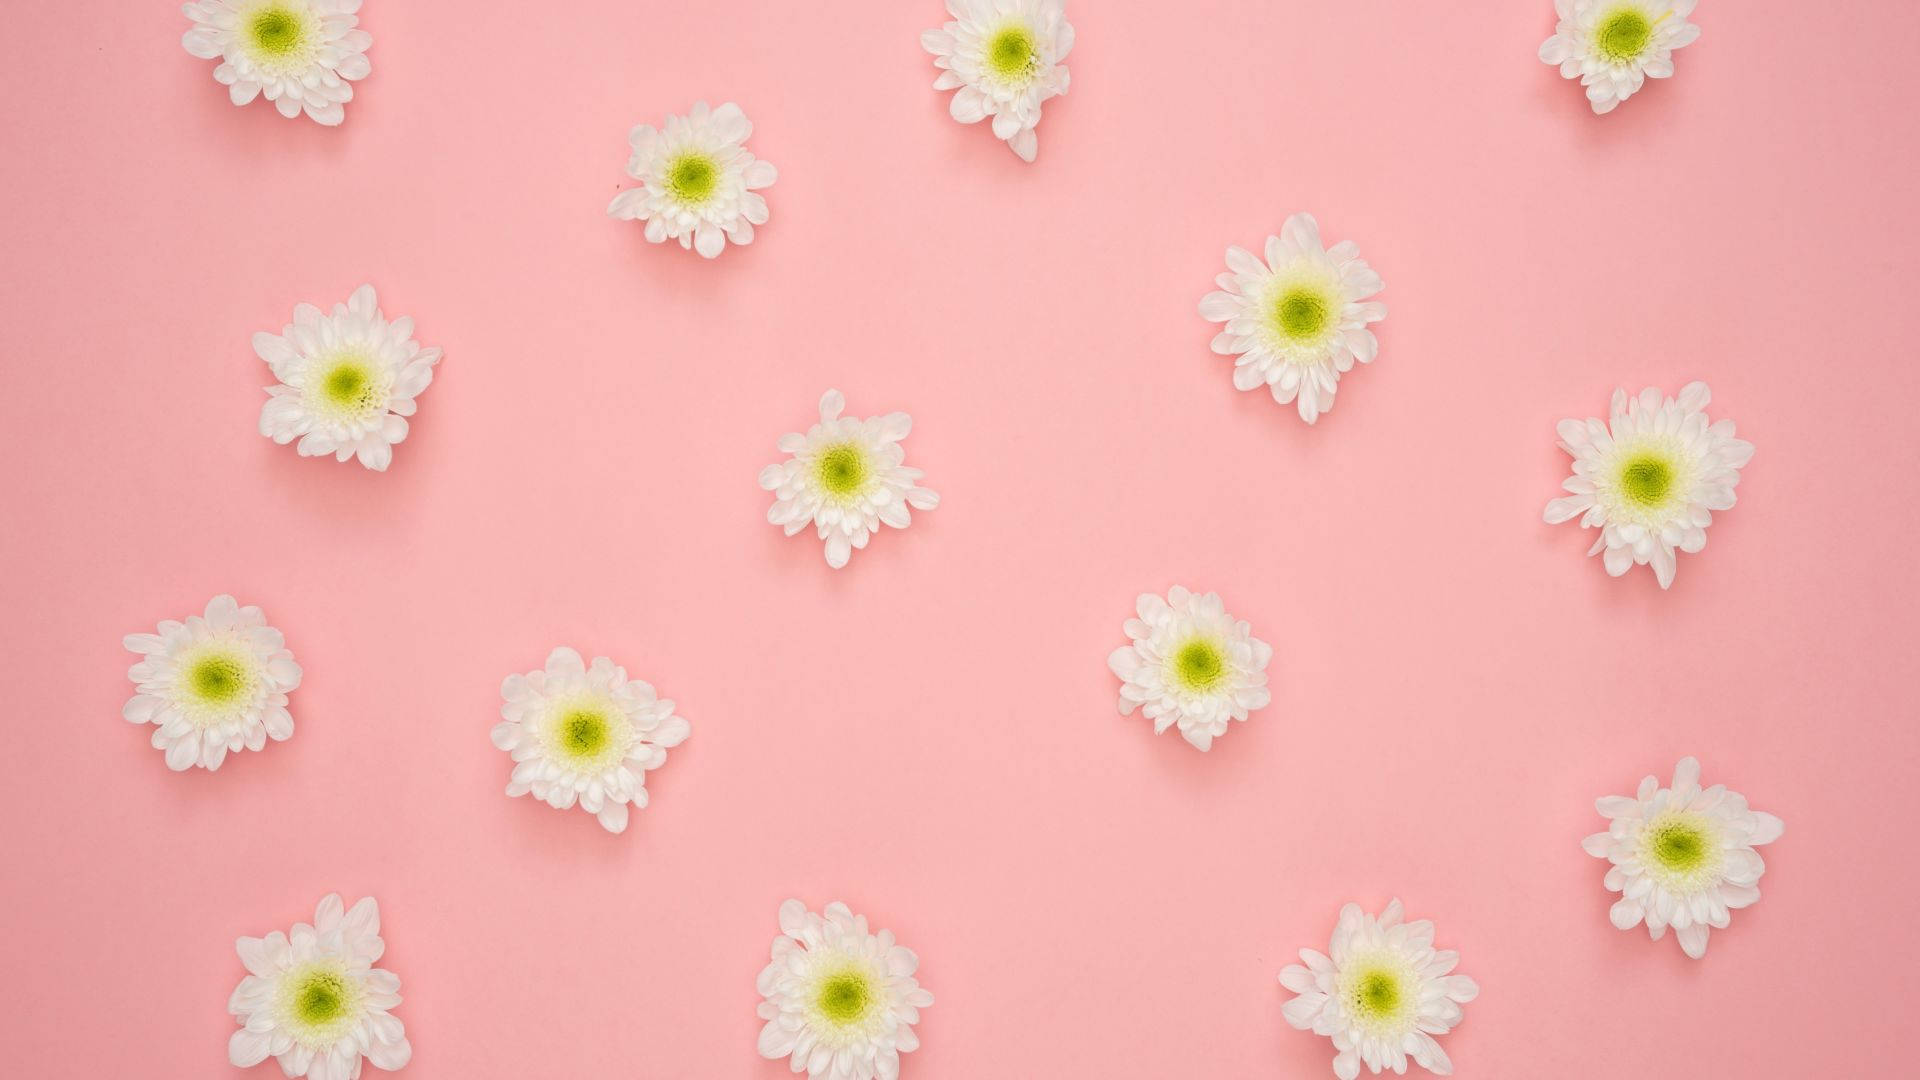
(1005, 57)
(347, 380)
(585, 734)
(313, 999)
(213, 685)
(1650, 478)
(846, 478)
(1614, 46)
(1297, 321)
(841, 1001)
(1190, 664)
(1682, 856)
(1382, 994)
(698, 183)
(303, 54)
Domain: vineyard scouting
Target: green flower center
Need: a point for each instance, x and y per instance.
(584, 732)
(1376, 995)
(1680, 846)
(1646, 479)
(1199, 665)
(276, 30)
(1624, 34)
(321, 999)
(842, 470)
(1302, 314)
(1010, 52)
(349, 387)
(219, 679)
(844, 998)
(692, 178)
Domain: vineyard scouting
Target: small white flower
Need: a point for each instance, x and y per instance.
(1382, 994)
(1682, 856)
(1650, 478)
(698, 183)
(303, 54)
(314, 1000)
(585, 734)
(1614, 46)
(212, 685)
(1297, 321)
(1005, 57)
(1190, 664)
(347, 380)
(841, 1001)
(846, 478)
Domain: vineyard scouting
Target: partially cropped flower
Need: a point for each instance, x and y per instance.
(1005, 57)
(698, 183)
(213, 685)
(1381, 994)
(1614, 46)
(1190, 664)
(1649, 478)
(1297, 321)
(845, 478)
(840, 1000)
(302, 54)
(1682, 856)
(585, 734)
(313, 999)
(347, 380)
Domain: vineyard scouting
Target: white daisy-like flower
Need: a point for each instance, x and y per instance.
(1382, 994)
(1005, 58)
(213, 685)
(347, 380)
(1649, 478)
(585, 734)
(302, 54)
(1190, 664)
(1614, 46)
(1682, 856)
(698, 183)
(845, 477)
(313, 999)
(1297, 321)
(841, 1000)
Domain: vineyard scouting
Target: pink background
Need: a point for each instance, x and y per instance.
(931, 734)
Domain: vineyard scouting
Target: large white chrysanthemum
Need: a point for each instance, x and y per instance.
(1190, 664)
(302, 54)
(1005, 58)
(347, 380)
(313, 999)
(585, 734)
(698, 183)
(1614, 46)
(1682, 856)
(1381, 994)
(1650, 477)
(845, 477)
(1299, 320)
(213, 685)
(840, 1000)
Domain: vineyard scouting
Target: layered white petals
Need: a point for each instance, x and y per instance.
(213, 685)
(1614, 46)
(1297, 319)
(698, 183)
(839, 1000)
(585, 735)
(1649, 478)
(845, 476)
(1004, 58)
(313, 1000)
(302, 55)
(1682, 856)
(1190, 665)
(347, 380)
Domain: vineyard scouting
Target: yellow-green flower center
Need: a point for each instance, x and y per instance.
(692, 177)
(219, 679)
(350, 386)
(320, 999)
(276, 30)
(1302, 314)
(1011, 54)
(1646, 479)
(842, 470)
(1376, 995)
(584, 732)
(844, 998)
(1199, 665)
(1679, 845)
(1623, 34)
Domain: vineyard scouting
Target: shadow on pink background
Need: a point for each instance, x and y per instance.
(930, 735)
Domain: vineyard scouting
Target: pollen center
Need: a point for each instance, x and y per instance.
(1680, 846)
(1623, 35)
(321, 999)
(349, 388)
(1301, 314)
(1199, 665)
(584, 732)
(692, 178)
(1010, 53)
(219, 679)
(844, 998)
(1647, 479)
(1376, 995)
(842, 470)
(276, 30)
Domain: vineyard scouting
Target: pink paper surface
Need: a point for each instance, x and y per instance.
(930, 734)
